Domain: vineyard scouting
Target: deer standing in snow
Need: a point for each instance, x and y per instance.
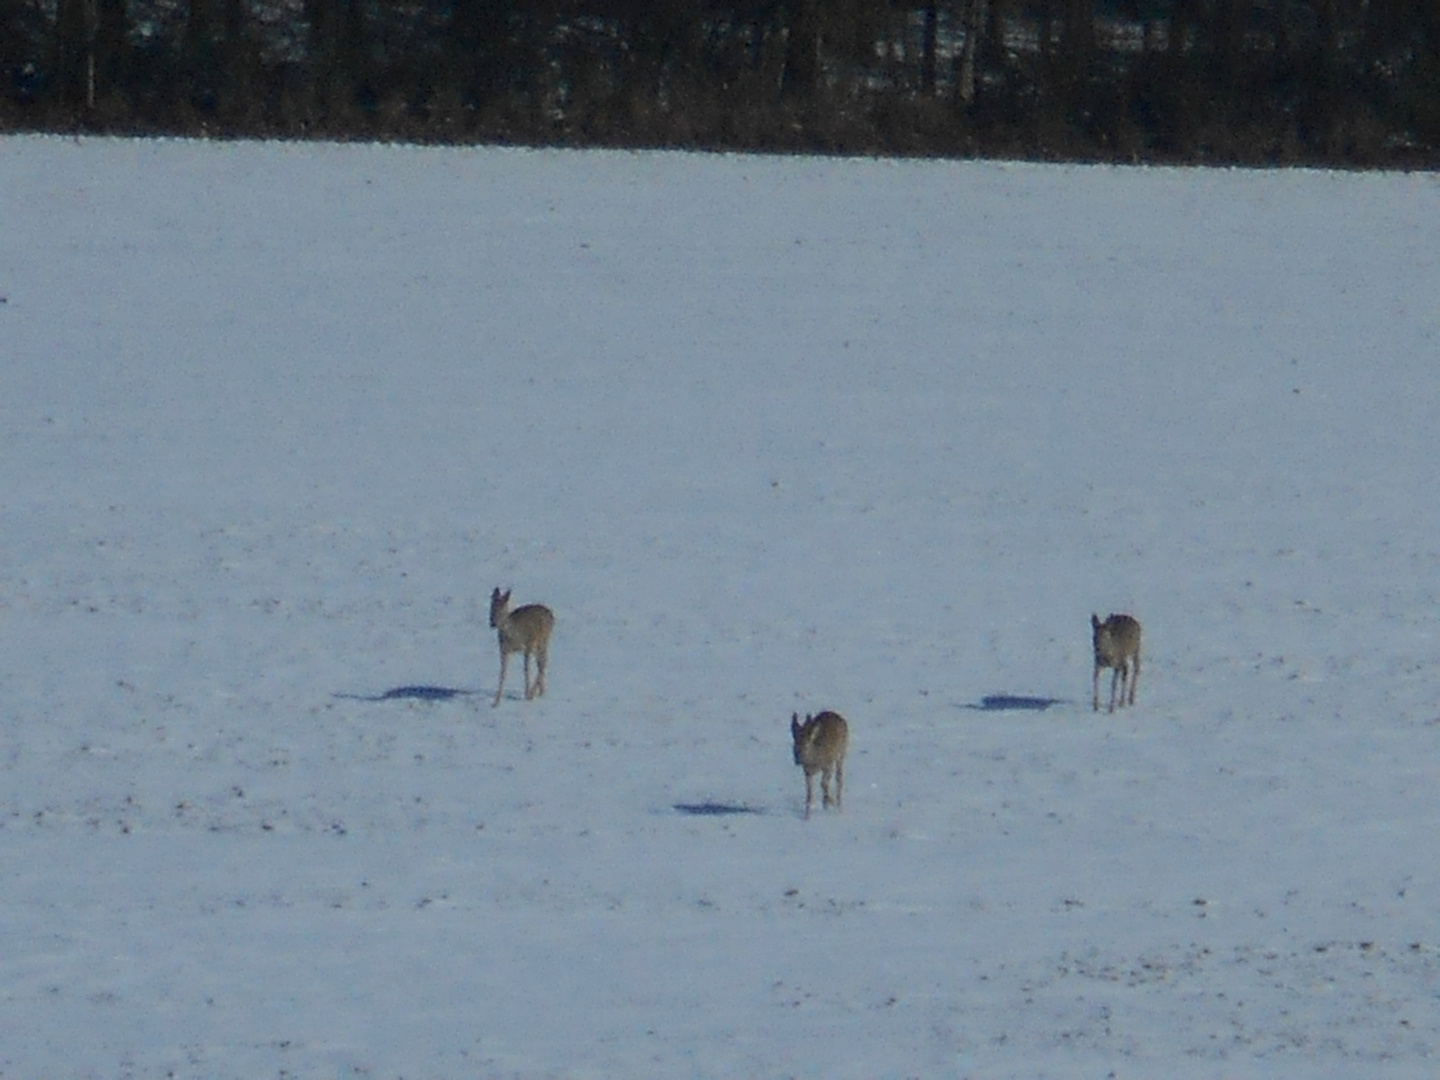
(524, 630)
(820, 745)
(1117, 646)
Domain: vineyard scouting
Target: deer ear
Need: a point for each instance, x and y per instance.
(1094, 622)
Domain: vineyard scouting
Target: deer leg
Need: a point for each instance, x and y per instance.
(541, 656)
(1114, 683)
(839, 783)
(1134, 678)
(809, 793)
(529, 693)
(1095, 690)
(504, 659)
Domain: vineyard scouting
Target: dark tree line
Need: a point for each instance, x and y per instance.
(1336, 81)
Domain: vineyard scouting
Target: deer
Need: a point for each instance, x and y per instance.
(820, 745)
(1117, 646)
(524, 630)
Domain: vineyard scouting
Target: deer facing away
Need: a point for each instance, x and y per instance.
(524, 630)
(820, 745)
(1117, 646)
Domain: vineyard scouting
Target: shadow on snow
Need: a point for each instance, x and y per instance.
(1014, 703)
(412, 693)
(715, 809)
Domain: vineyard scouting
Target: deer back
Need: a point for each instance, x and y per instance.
(528, 627)
(820, 742)
(1117, 639)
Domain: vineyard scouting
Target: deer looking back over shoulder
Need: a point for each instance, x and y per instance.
(1117, 646)
(820, 745)
(524, 630)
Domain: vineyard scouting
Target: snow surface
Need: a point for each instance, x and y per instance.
(768, 435)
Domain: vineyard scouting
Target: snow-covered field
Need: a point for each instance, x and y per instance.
(768, 435)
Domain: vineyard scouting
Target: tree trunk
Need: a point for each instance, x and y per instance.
(801, 77)
(927, 49)
(970, 51)
(72, 51)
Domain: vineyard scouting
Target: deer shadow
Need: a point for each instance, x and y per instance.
(715, 809)
(1013, 703)
(413, 693)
